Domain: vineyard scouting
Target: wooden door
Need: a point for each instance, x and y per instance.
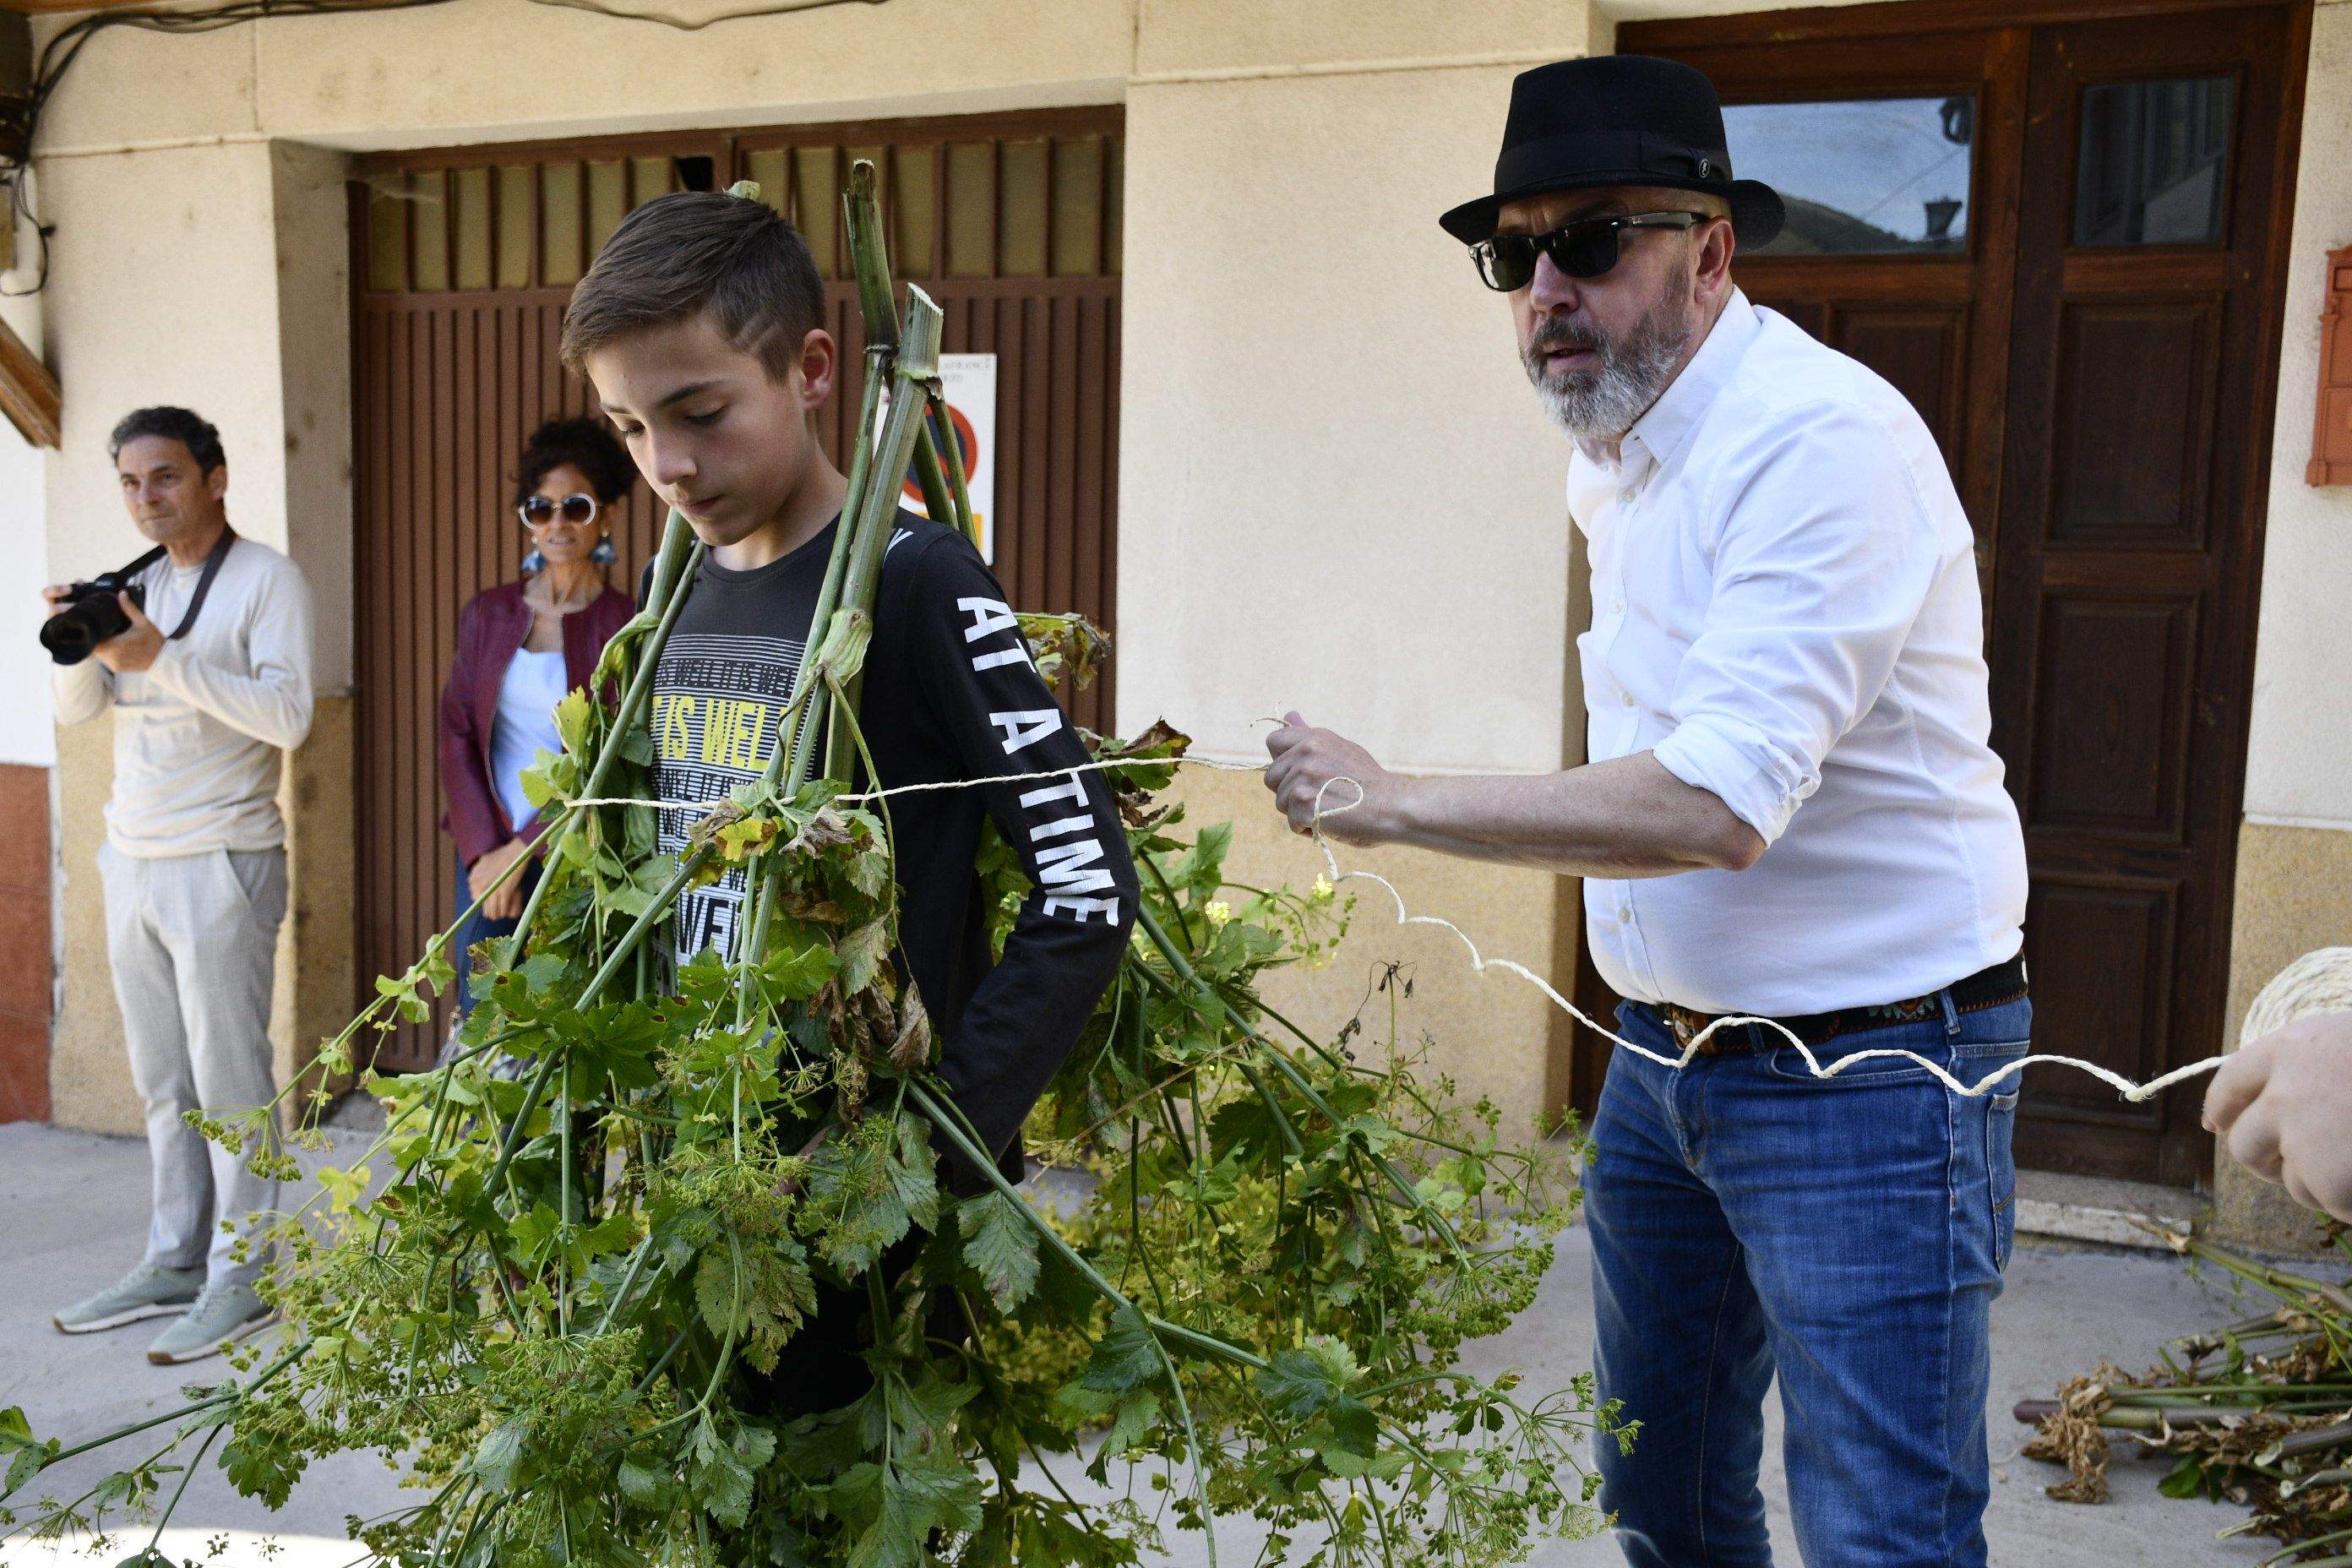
(2097, 370)
(2130, 549)
(463, 262)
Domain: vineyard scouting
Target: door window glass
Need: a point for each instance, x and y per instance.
(1861, 176)
(2153, 165)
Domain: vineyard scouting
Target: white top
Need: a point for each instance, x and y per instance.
(525, 726)
(196, 735)
(1785, 611)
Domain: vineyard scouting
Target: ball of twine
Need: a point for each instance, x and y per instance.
(2319, 982)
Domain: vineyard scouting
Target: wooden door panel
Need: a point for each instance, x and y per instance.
(2112, 748)
(2100, 947)
(2129, 544)
(1919, 351)
(2138, 378)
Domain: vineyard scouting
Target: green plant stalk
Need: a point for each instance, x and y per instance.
(918, 360)
(862, 217)
(943, 1116)
(869, 259)
(674, 570)
(644, 924)
(938, 498)
(751, 936)
(958, 488)
(1299, 1080)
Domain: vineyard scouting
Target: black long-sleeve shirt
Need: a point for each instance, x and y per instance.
(950, 693)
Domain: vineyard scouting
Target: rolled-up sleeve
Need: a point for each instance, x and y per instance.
(1827, 554)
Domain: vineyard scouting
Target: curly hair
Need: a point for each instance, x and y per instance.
(589, 445)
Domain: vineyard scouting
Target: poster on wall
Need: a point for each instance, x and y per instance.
(968, 382)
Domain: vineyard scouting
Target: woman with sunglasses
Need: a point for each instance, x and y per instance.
(521, 646)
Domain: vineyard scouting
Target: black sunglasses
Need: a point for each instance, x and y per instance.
(577, 507)
(1585, 249)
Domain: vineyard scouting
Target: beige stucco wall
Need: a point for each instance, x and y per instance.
(214, 277)
(202, 256)
(1336, 492)
(502, 70)
(2299, 765)
(1331, 466)
(2294, 850)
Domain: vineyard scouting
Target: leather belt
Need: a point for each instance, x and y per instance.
(1986, 988)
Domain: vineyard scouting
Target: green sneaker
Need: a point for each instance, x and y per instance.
(221, 1315)
(150, 1290)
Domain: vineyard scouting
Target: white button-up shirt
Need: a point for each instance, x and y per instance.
(1785, 612)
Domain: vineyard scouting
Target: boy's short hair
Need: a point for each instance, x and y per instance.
(190, 429)
(700, 250)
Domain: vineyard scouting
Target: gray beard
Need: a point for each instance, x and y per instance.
(1601, 404)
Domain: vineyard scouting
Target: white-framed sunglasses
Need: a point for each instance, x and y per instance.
(579, 508)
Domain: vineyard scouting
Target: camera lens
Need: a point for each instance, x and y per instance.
(73, 633)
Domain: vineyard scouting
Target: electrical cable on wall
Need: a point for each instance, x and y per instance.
(64, 46)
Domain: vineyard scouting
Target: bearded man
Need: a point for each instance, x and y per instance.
(1792, 812)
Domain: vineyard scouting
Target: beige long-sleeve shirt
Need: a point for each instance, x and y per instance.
(197, 735)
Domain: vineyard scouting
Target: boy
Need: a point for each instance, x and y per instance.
(698, 327)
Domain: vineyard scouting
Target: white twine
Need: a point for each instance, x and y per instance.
(1479, 962)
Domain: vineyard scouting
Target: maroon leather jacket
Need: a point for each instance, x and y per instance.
(490, 631)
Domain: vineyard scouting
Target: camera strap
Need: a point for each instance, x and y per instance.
(203, 584)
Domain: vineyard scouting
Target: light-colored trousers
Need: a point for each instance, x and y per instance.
(194, 943)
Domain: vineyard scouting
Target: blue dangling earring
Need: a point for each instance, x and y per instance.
(605, 554)
(535, 562)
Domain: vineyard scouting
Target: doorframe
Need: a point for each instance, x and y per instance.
(1982, 466)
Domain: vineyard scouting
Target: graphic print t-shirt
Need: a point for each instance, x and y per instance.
(725, 678)
(950, 694)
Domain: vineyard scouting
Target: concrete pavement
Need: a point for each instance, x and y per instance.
(73, 1212)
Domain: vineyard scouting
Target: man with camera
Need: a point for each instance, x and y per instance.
(193, 867)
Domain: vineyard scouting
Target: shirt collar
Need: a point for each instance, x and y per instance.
(1660, 433)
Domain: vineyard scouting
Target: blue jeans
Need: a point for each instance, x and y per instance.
(1849, 1234)
(481, 928)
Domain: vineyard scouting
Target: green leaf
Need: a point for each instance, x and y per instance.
(1354, 1428)
(1135, 1417)
(722, 1480)
(258, 1470)
(1001, 1248)
(16, 1433)
(534, 1231)
(1306, 1383)
(862, 952)
(722, 1292)
(795, 976)
(540, 971)
(499, 1455)
(1128, 1355)
(893, 1509)
(869, 873)
(641, 1483)
(2186, 1479)
(573, 717)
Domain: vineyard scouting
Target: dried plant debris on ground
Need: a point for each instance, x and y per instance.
(558, 1309)
(2258, 1413)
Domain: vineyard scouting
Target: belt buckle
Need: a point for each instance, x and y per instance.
(1679, 1020)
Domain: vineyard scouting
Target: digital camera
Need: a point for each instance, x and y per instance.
(91, 616)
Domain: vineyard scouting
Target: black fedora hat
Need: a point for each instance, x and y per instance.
(1617, 120)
